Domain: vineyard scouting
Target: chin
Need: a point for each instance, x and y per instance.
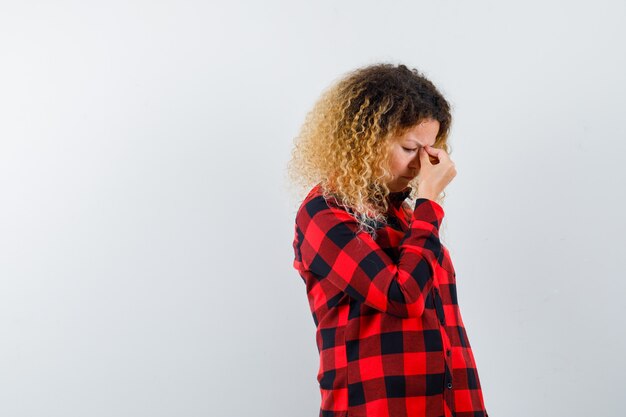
(398, 188)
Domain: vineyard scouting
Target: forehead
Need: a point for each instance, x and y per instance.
(424, 133)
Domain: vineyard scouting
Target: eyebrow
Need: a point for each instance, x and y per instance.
(416, 142)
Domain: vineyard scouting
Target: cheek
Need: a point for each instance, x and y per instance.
(399, 160)
(405, 160)
(397, 164)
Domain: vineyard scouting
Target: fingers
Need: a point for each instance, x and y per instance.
(439, 153)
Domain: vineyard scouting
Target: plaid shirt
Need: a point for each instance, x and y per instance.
(389, 331)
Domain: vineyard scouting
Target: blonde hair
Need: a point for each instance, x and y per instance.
(344, 142)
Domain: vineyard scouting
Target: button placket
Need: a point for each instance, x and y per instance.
(447, 349)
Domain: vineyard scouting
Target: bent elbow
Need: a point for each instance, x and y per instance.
(402, 305)
(413, 310)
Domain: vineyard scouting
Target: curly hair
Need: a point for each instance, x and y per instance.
(344, 143)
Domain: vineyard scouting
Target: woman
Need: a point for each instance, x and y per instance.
(380, 284)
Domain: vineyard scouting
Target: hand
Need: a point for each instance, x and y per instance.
(434, 178)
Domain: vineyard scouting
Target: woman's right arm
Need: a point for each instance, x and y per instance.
(328, 244)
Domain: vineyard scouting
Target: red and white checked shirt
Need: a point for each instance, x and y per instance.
(389, 331)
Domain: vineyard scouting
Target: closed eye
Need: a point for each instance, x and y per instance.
(409, 150)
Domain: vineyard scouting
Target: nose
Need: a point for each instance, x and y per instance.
(414, 163)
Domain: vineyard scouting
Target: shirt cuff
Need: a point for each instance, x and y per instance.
(428, 210)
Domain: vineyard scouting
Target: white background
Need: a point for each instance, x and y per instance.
(146, 223)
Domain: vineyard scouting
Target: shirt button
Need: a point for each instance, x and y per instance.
(449, 384)
(448, 352)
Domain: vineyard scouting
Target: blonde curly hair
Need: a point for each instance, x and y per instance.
(344, 142)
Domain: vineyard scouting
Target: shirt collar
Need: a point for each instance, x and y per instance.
(397, 197)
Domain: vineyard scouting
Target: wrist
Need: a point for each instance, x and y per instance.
(427, 196)
(424, 193)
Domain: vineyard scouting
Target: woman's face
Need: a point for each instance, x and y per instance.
(404, 158)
